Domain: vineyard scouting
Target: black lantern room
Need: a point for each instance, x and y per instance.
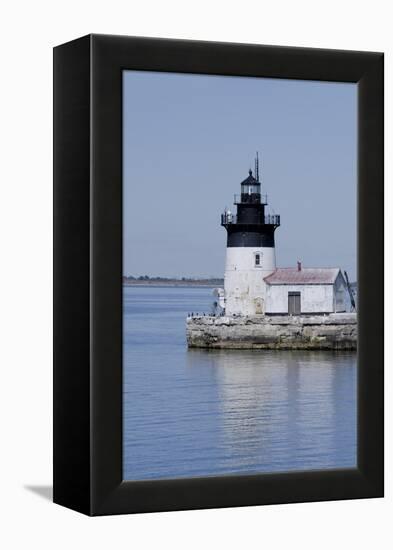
(250, 226)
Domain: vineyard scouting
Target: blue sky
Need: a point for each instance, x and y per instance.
(190, 139)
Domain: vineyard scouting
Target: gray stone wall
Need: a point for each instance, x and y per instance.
(337, 331)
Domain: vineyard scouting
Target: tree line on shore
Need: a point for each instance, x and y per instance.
(169, 279)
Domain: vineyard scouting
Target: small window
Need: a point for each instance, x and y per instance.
(257, 260)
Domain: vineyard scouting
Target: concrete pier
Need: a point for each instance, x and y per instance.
(337, 331)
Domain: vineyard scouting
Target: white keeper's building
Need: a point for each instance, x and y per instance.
(301, 290)
(253, 285)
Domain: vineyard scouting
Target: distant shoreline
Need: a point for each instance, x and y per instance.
(174, 283)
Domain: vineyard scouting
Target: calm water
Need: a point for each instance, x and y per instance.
(196, 412)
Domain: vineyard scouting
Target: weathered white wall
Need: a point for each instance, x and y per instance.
(313, 298)
(243, 283)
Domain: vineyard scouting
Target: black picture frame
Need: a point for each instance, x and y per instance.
(88, 274)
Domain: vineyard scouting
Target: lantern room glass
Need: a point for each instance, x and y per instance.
(250, 189)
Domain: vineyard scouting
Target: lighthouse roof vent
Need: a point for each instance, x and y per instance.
(250, 180)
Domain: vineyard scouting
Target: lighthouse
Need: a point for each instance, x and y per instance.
(250, 254)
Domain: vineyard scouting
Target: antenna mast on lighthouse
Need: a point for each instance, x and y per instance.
(257, 167)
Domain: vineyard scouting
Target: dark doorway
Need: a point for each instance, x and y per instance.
(294, 303)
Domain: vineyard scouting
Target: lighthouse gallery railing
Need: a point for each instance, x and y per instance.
(228, 218)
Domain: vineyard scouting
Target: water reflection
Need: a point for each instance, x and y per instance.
(283, 410)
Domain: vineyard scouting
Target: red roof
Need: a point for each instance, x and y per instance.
(306, 276)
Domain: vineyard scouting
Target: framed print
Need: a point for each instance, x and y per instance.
(218, 275)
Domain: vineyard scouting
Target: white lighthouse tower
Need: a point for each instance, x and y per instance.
(250, 249)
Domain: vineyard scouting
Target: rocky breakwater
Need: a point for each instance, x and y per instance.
(337, 331)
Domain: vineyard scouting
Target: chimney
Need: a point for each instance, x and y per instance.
(299, 266)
